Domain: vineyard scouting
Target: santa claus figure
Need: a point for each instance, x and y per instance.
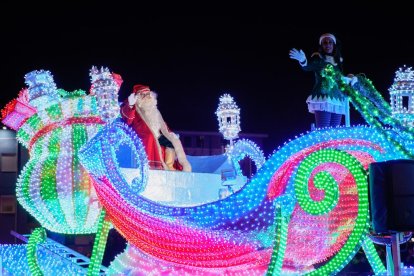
(163, 147)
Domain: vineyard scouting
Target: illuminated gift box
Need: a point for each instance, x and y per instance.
(16, 113)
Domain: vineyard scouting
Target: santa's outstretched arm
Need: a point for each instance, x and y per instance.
(128, 108)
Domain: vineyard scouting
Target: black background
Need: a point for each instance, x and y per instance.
(190, 55)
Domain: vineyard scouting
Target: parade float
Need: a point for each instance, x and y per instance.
(305, 211)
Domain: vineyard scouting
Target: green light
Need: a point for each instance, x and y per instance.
(37, 236)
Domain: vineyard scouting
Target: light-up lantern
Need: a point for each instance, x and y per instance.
(105, 86)
(228, 115)
(53, 186)
(401, 96)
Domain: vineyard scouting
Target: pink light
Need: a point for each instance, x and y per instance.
(175, 241)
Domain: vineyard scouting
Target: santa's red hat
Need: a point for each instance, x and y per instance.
(140, 88)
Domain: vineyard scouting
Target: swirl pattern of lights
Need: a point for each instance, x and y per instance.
(237, 233)
(243, 148)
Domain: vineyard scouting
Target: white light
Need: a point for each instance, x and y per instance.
(106, 90)
(228, 115)
(403, 89)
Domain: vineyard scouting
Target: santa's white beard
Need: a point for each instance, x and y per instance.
(147, 103)
(151, 115)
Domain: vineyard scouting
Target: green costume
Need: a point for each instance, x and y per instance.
(323, 97)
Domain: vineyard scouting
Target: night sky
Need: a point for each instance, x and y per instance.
(191, 58)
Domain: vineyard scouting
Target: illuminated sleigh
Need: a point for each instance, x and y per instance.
(305, 211)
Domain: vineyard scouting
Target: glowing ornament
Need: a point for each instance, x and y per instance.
(53, 187)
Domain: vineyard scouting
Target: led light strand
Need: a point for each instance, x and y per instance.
(368, 101)
(38, 236)
(279, 247)
(99, 245)
(373, 256)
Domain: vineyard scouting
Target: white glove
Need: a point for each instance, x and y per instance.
(132, 99)
(299, 55)
(350, 79)
(353, 80)
(347, 80)
(175, 135)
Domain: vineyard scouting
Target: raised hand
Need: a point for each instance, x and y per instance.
(132, 99)
(299, 55)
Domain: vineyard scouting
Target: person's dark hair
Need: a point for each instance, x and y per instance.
(336, 53)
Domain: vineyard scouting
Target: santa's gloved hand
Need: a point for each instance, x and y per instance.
(175, 135)
(299, 55)
(132, 99)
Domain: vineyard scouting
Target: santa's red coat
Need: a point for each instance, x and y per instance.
(155, 152)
